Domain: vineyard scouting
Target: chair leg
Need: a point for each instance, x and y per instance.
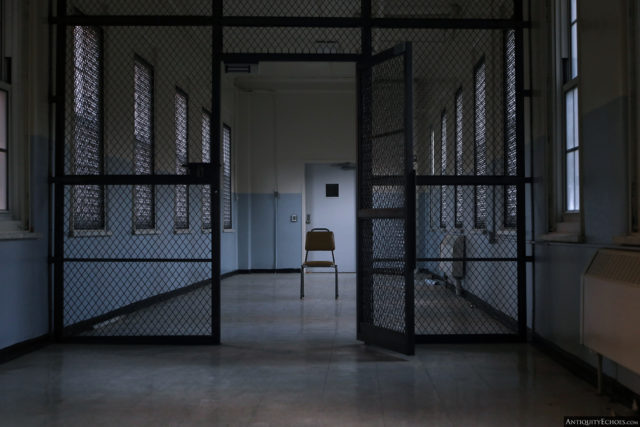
(302, 282)
(336, 268)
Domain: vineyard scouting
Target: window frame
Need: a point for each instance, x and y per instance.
(570, 83)
(74, 231)
(443, 166)
(477, 222)
(458, 158)
(183, 171)
(227, 226)
(509, 222)
(206, 201)
(136, 228)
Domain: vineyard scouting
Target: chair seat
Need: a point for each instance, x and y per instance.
(319, 264)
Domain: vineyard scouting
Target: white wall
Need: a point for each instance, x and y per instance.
(285, 130)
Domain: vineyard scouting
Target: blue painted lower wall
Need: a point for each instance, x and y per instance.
(260, 246)
(24, 303)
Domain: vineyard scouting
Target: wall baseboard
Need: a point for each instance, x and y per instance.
(585, 371)
(20, 349)
(86, 325)
(506, 320)
(267, 270)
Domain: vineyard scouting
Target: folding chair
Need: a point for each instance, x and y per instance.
(319, 239)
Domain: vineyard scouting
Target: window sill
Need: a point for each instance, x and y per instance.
(628, 240)
(181, 231)
(145, 232)
(90, 233)
(229, 230)
(19, 235)
(562, 237)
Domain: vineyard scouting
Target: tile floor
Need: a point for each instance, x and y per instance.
(286, 362)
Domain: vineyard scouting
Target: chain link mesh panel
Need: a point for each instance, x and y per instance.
(300, 40)
(443, 9)
(293, 8)
(145, 7)
(114, 272)
(137, 258)
(382, 164)
(464, 124)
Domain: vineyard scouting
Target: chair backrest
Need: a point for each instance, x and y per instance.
(320, 239)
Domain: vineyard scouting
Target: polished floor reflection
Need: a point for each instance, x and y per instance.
(287, 362)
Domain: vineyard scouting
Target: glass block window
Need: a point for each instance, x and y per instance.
(226, 178)
(459, 166)
(182, 191)
(144, 195)
(88, 200)
(206, 158)
(510, 149)
(480, 143)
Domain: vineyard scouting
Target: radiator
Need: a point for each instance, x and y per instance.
(452, 246)
(611, 307)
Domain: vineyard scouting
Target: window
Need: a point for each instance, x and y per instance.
(510, 149)
(144, 195)
(570, 99)
(443, 167)
(206, 158)
(182, 157)
(459, 166)
(433, 152)
(88, 200)
(226, 178)
(480, 143)
(4, 154)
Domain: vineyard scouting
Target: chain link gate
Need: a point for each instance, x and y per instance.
(136, 207)
(137, 244)
(468, 154)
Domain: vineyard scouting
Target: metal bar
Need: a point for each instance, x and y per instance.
(285, 21)
(58, 275)
(520, 187)
(134, 20)
(447, 23)
(236, 57)
(466, 338)
(216, 144)
(506, 259)
(130, 180)
(410, 200)
(136, 260)
(359, 224)
(468, 180)
(271, 21)
(147, 339)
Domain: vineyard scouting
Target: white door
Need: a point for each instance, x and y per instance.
(331, 203)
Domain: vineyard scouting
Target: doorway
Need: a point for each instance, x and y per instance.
(330, 202)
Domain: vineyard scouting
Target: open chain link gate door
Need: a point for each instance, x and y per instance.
(386, 201)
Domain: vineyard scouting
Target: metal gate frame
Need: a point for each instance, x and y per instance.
(366, 23)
